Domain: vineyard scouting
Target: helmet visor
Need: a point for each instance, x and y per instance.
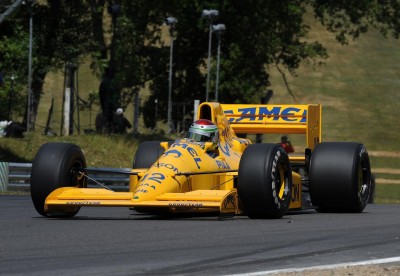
(198, 137)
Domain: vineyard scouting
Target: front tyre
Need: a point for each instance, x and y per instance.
(147, 154)
(340, 177)
(55, 165)
(265, 181)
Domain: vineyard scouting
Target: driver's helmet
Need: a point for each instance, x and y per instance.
(203, 130)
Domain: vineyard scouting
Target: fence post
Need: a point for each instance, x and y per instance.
(3, 176)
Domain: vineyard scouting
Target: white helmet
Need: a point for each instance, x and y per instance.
(119, 111)
(203, 130)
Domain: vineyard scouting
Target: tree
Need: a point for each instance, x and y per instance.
(349, 19)
(125, 44)
(13, 53)
(60, 35)
(128, 38)
(259, 33)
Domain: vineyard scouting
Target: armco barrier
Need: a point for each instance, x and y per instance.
(3, 176)
(19, 175)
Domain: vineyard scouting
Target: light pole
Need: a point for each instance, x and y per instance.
(114, 10)
(156, 111)
(10, 95)
(209, 14)
(29, 107)
(171, 22)
(218, 29)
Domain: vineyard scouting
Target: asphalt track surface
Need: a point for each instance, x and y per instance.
(118, 241)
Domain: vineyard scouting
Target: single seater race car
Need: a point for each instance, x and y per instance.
(213, 170)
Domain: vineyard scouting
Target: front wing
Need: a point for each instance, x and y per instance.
(223, 201)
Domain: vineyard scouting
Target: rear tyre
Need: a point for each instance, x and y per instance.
(265, 181)
(340, 177)
(55, 166)
(147, 154)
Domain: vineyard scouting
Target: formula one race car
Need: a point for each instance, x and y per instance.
(213, 170)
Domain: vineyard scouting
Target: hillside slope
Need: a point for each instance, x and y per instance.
(358, 87)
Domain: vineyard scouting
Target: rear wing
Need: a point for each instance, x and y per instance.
(276, 119)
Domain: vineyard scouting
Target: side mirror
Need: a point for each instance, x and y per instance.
(164, 145)
(208, 145)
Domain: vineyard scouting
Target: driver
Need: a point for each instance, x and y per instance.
(203, 131)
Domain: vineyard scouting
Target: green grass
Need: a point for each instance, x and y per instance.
(358, 88)
(385, 162)
(387, 193)
(387, 176)
(100, 151)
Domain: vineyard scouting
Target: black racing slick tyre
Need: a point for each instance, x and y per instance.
(265, 181)
(147, 154)
(55, 165)
(340, 177)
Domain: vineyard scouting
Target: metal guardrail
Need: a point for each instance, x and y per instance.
(19, 176)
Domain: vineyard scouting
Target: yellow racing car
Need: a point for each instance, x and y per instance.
(213, 170)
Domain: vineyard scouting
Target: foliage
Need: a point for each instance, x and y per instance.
(115, 151)
(352, 18)
(128, 38)
(60, 36)
(255, 37)
(258, 34)
(13, 53)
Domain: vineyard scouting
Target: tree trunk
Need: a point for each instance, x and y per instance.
(37, 88)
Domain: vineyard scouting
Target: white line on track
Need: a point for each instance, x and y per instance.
(340, 265)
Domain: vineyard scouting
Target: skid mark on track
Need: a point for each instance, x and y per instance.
(323, 267)
(229, 261)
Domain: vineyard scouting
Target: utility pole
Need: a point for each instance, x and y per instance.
(218, 29)
(30, 98)
(171, 22)
(209, 14)
(10, 95)
(68, 106)
(136, 105)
